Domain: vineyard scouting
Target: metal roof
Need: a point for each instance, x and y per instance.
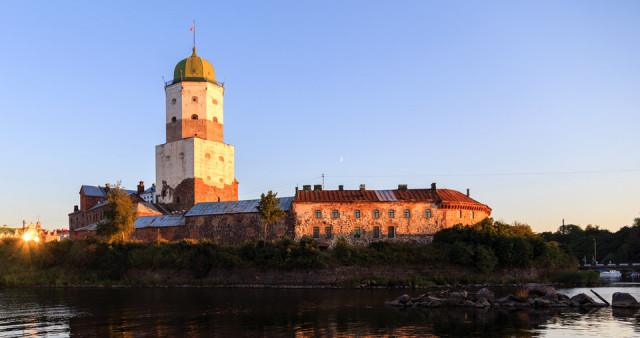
(98, 191)
(160, 221)
(234, 207)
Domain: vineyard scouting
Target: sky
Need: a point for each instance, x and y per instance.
(532, 105)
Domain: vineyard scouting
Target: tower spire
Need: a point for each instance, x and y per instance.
(194, 36)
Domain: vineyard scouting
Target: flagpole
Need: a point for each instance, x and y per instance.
(194, 34)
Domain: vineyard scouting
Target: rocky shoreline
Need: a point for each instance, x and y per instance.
(531, 295)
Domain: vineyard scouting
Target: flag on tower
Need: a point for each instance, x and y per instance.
(192, 26)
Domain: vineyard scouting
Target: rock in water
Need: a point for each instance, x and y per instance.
(485, 293)
(582, 299)
(623, 299)
(403, 299)
(539, 289)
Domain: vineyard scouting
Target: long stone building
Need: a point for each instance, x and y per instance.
(197, 192)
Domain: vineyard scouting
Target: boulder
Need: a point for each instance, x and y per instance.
(625, 300)
(503, 299)
(459, 295)
(434, 302)
(484, 303)
(542, 302)
(419, 299)
(403, 299)
(562, 296)
(582, 299)
(468, 303)
(485, 293)
(538, 289)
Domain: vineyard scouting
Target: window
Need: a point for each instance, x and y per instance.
(427, 213)
(318, 214)
(391, 232)
(173, 119)
(327, 232)
(376, 214)
(356, 214)
(194, 99)
(316, 232)
(459, 213)
(356, 232)
(391, 213)
(473, 215)
(406, 213)
(173, 101)
(178, 199)
(376, 232)
(335, 214)
(194, 117)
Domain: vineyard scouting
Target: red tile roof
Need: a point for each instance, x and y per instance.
(446, 197)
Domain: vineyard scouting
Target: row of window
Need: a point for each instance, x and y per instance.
(390, 213)
(376, 213)
(357, 232)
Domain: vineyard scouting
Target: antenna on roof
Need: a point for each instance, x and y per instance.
(322, 181)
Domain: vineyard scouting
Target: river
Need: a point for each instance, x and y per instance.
(224, 312)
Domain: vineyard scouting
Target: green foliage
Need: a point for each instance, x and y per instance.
(269, 209)
(120, 216)
(577, 277)
(488, 245)
(623, 246)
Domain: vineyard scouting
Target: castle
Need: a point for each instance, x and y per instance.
(197, 194)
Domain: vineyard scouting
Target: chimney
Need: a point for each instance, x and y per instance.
(362, 187)
(141, 188)
(317, 187)
(296, 195)
(341, 187)
(75, 208)
(402, 187)
(467, 192)
(433, 187)
(306, 187)
(107, 187)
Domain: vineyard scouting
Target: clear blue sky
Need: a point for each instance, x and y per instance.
(500, 97)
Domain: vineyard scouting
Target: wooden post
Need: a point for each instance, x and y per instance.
(602, 299)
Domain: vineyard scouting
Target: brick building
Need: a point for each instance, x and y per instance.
(363, 216)
(93, 200)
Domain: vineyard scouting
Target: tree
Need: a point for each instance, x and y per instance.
(269, 210)
(120, 215)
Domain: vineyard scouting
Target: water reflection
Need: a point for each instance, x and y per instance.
(289, 312)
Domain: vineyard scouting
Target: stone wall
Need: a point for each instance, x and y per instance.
(234, 229)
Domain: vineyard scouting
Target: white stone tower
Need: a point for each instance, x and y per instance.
(194, 165)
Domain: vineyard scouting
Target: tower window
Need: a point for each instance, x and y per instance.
(173, 119)
(194, 116)
(194, 99)
(173, 101)
(215, 119)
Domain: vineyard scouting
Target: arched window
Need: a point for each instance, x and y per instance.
(391, 213)
(473, 215)
(215, 119)
(406, 213)
(173, 101)
(173, 119)
(459, 213)
(194, 99)
(194, 116)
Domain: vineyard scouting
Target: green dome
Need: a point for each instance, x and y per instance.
(194, 68)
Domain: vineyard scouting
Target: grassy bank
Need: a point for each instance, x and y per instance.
(92, 262)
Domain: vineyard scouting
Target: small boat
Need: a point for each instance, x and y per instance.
(610, 273)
